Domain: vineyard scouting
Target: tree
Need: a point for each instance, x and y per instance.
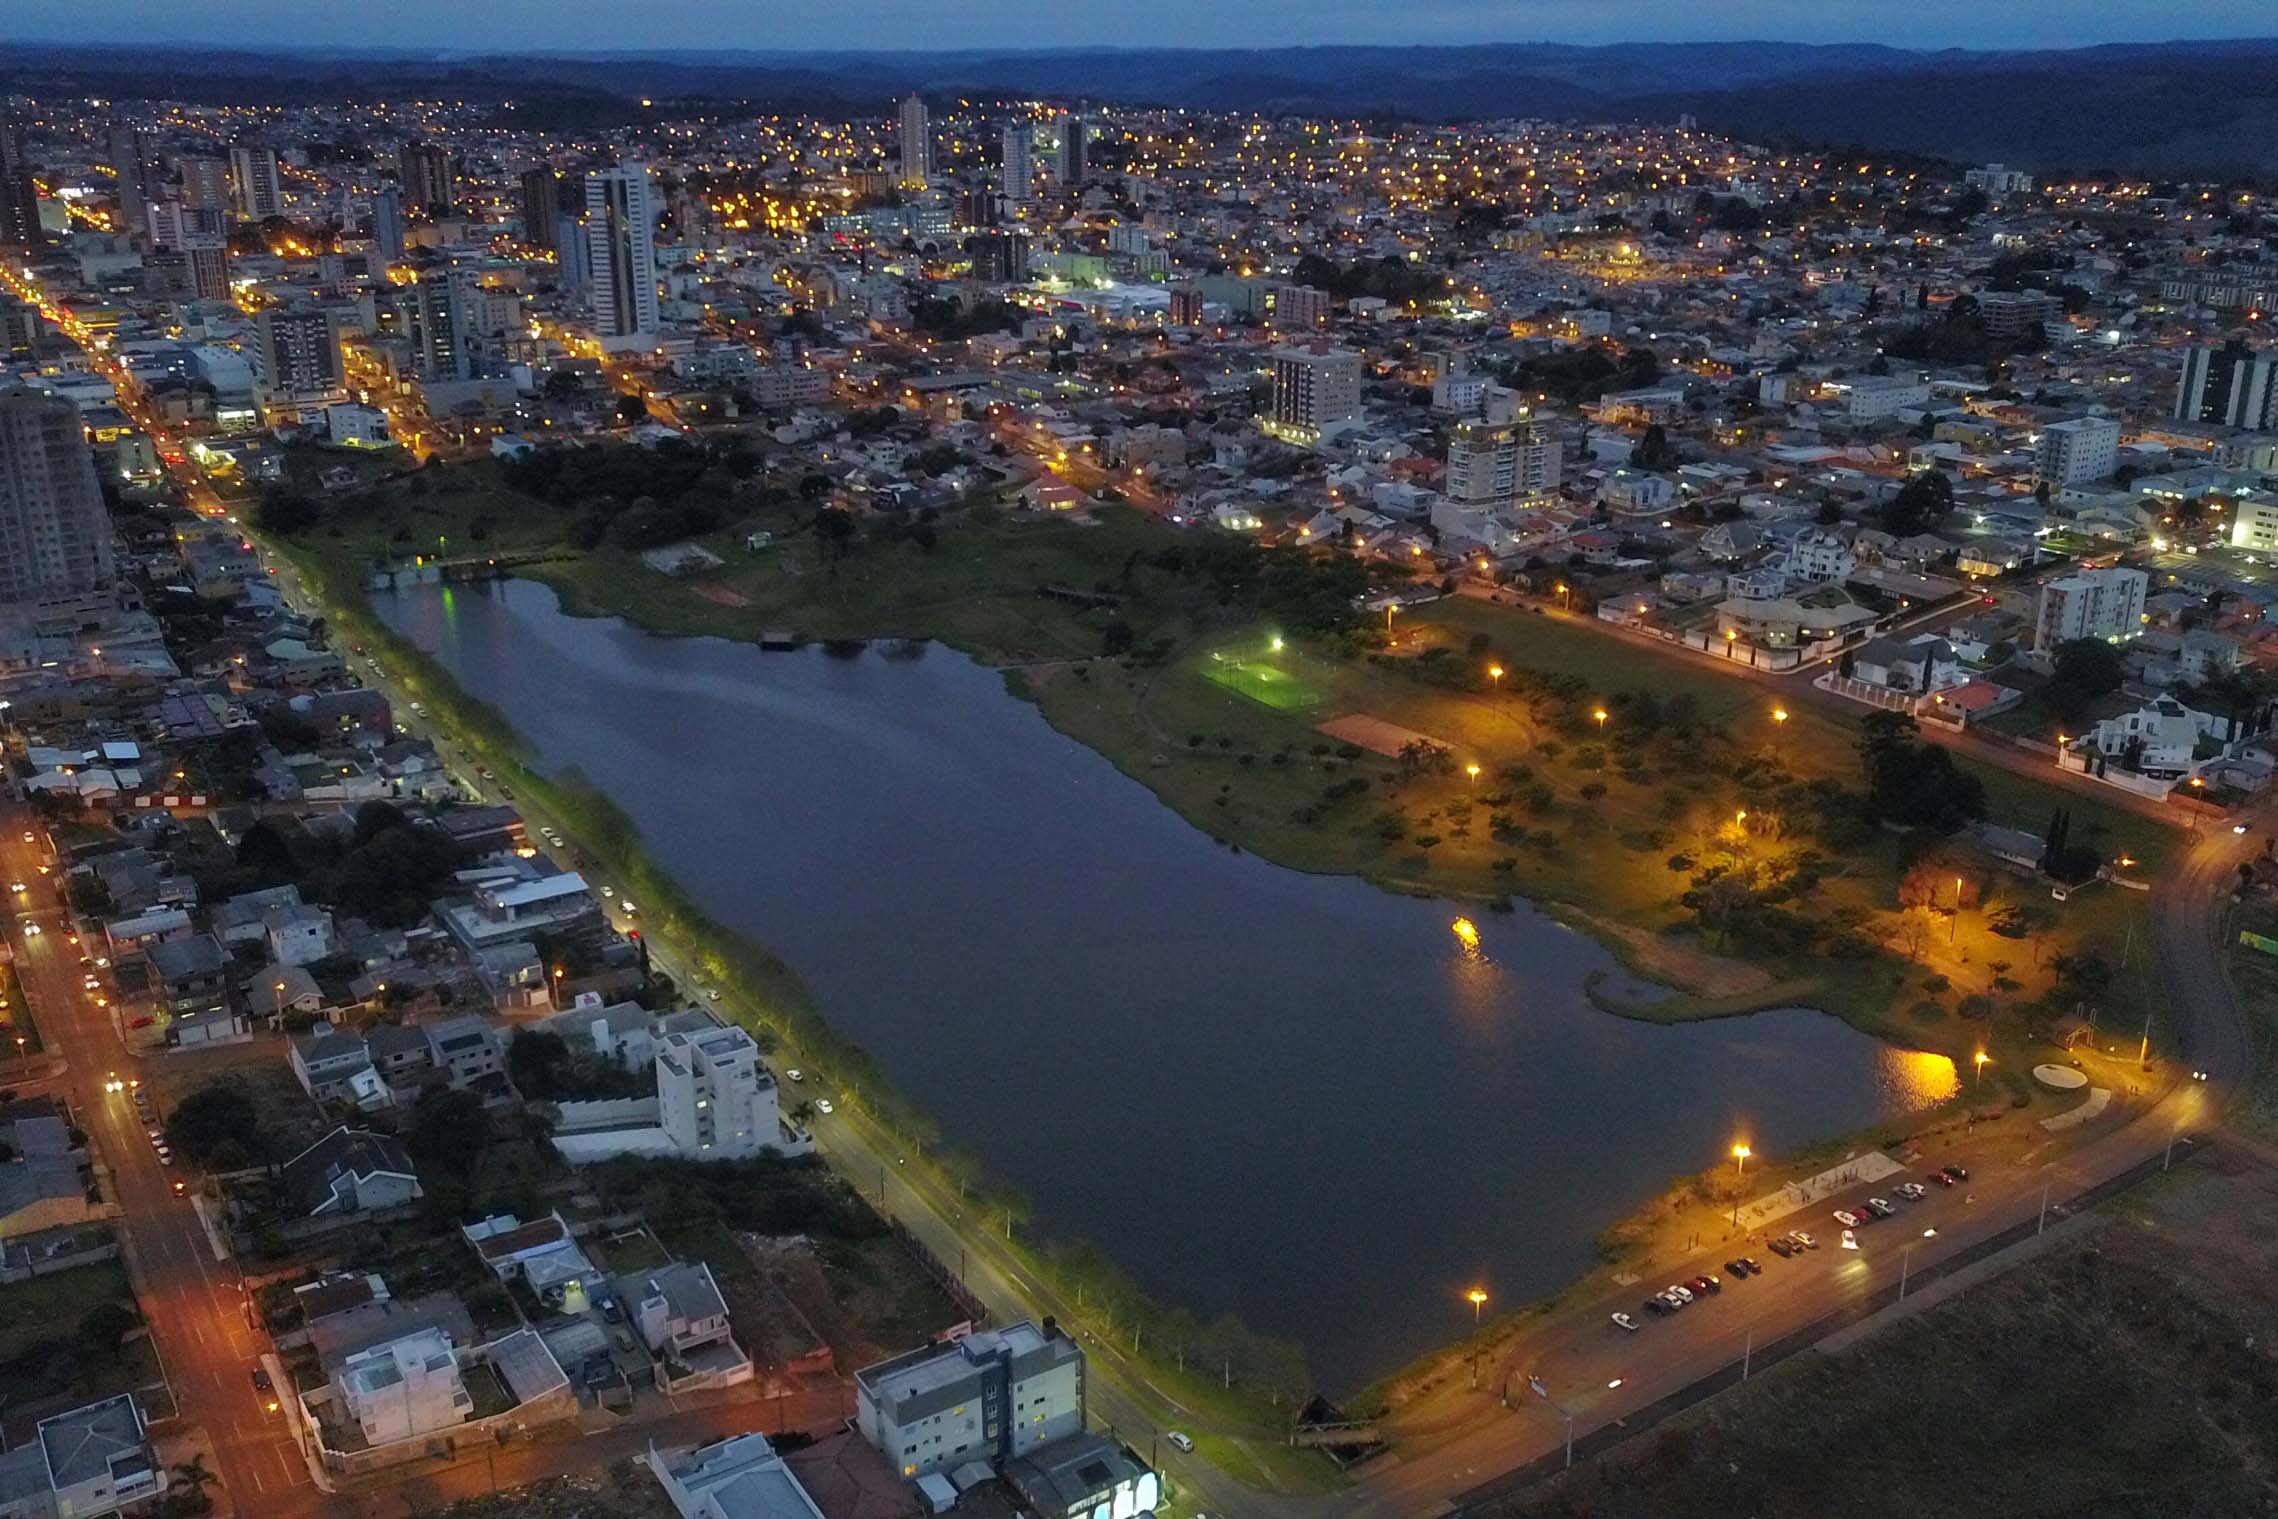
(212, 1116)
(1653, 450)
(2086, 668)
(536, 1060)
(1919, 505)
(103, 1326)
(449, 1130)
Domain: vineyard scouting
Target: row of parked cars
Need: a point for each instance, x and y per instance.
(1859, 1215)
(1679, 1296)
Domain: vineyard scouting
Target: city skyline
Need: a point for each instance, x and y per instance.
(901, 26)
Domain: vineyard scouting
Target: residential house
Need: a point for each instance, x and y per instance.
(1919, 665)
(2160, 738)
(994, 1395)
(348, 1171)
(82, 1464)
(467, 1050)
(740, 1477)
(683, 1319)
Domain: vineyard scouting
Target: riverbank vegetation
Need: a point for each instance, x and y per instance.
(1244, 1383)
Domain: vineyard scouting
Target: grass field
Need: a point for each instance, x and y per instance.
(1591, 823)
(1263, 679)
(2127, 1372)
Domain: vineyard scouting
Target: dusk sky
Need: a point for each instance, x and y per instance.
(620, 25)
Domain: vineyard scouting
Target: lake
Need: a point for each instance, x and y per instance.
(1296, 1097)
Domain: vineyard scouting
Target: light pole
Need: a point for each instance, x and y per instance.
(1740, 1154)
(1779, 721)
(1477, 1298)
(1953, 925)
(1472, 771)
(1495, 673)
(1600, 715)
(1977, 1078)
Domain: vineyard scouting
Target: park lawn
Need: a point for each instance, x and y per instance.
(450, 512)
(42, 1307)
(1255, 773)
(2255, 975)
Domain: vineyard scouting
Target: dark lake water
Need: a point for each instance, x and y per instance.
(1296, 1097)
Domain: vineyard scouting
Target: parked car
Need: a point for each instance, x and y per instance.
(1881, 1208)
(1781, 1248)
(1958, 1173)
(1736, 1269)
(1703, 1286)
(1941, 1178)
(1183, 1442)
(1659, 1307)
(1803, 1239)
(1754, 1268)
(1912, 1191)
(1624, 1321)
(1846, 1218)
(1681, 1293)
(823, 1105)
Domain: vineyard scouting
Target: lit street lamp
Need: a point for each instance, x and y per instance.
(1472, 771)
(1779, 721)
(1980, 1058)
(1495, 672)
(1600, 715)
(1740, 1154)
(1477, 1298)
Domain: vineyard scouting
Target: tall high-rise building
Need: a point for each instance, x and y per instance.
(2232, 386)
(917, 144)
(424, 169)
(1500, 465)
(1314, 390)
(136, 172)
(192, 249)
(1020, 161)
(298, 353)
(620, 240)
(55, 535)
(573, 260)
(429, 316)
(2077, 452)
(999, 258)
(387, 224)
(1072, 160)
(260, 187)
(541, 205)
(19, 198)
(205, 181)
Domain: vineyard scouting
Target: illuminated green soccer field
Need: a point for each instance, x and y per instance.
(1263, 681)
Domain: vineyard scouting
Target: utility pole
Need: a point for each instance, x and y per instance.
(2043, 1222)
(2143, 1055)
(1747, 1353)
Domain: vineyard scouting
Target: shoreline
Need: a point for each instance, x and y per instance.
(1624, 950)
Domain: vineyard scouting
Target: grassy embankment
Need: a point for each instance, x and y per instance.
(2126, 1372)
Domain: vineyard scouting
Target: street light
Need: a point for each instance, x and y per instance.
(1472, 770)
(1981, 1057)
(1779, 721)
(1494, 672)
(1740, 1154)
(1477, 1298)
(1600, 715)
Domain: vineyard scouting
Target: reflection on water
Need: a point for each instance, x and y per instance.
(1917, 1079)
(1292, 1097)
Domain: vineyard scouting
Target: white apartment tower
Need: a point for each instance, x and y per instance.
(260, 188)
(1315, 390)
(55, 536)
(715, 1101)
(2231, 386)
(620, 240)
(1020, 161)
(1500, 464)
(2077, 452)
(2106, 604)
(917, 144)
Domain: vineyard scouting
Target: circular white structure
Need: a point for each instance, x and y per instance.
(2062, 1078)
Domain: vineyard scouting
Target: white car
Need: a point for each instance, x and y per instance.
(32, 930)
(627, 904)
(796, 1074)
(1183, 1442)
(1624, 1321)
(1681, 1295)
(15, 886)
(823, 1105)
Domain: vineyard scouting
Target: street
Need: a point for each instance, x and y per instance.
(195, 1305)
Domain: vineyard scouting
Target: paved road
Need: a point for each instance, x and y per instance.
(195, 1305)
